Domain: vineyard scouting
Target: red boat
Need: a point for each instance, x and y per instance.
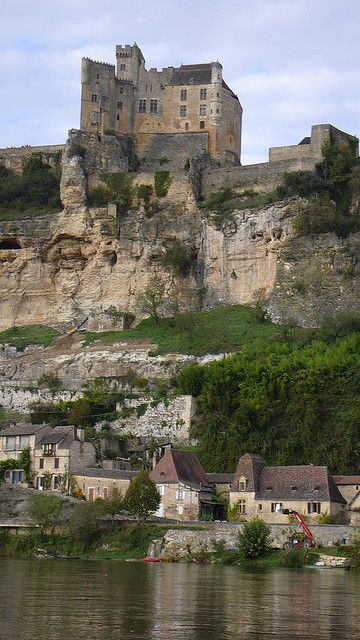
(152, 560)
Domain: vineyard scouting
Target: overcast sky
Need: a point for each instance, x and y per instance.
(292, 63)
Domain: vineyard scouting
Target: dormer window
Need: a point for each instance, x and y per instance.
(242, 484)
(49, 449)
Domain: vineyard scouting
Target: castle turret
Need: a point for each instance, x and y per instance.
(216, 93)
(130, 62)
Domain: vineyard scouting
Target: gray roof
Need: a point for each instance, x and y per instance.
(191, 74)
(113, 474)
(303, 482)
(220, 478)
(62, 435)
(21, 430)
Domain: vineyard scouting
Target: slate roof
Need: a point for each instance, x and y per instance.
(220, 478)
(342, 480)
(191, 74)
(306, 140)
(114, 474)
(21, 430)
(179, 466)
(61, 435)
(303, 482)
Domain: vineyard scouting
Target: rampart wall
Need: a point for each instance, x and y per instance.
(176, 148)
(14, 158)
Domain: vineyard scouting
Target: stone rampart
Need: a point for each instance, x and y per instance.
(14, 158)
(170, 150)
(264, 177)
(16, 399)
(182, 541)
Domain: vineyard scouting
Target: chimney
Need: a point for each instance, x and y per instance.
(80, 434)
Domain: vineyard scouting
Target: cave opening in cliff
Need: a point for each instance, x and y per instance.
(10, 243)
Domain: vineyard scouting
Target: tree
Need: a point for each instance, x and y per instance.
(114, 503)
(80, 413)
(153, 297)
(142, 497)
(254, 538)
(44, 510)
(84, 522)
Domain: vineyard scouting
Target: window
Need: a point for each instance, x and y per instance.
(186, 126)
(202, 124)
(122, 67)
(260, 507)
(95, 117)
(142, 105)
(314, 507)
(276, 506)
(180, 509)
(7, 473)
(183, 110)
(161, 489)
(357, 487)
(98, 76)
(242, 506)
(203, 109)
(94, 97)
(10, 443)
(24, 442)
(41, 463)
(242, 484)
(49, 449)
(121, 90)
(203, 93)
(183, 94)
(153, 106)
(120, 106)
(117, 117)
(217, 110)
(180, 495)
(56, 463)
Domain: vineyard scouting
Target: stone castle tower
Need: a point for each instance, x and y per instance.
(190, 99)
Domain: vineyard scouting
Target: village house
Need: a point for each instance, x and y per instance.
(100, 483)
(184, 490)
(349, 487)
(58, 453)
(221, 483)
(259, 490)
(14, 440)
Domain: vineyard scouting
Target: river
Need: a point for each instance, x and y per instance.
(113, 600)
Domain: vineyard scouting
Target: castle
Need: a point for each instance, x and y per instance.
(192, 100)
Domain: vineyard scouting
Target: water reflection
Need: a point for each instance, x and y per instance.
(108, 600)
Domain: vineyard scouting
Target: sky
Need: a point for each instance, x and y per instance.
(292, 63)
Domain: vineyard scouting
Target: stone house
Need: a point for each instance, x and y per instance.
(192, 101)
(99, 483)
(259, 490)
(221, 483)
(58, 453)
(349, 487)
(181, 481)
(14, 440)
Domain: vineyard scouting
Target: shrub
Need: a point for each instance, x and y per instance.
(355, 548)
(44, 510)
(254, 539)
(49, 380)
(144, 192)
(179, 258)
(120, 186)
(301, 183)
(100, 196)
(77, 150)
(318, 216)
(84, 522)
(163, 160)
(190, 380)
(162, 181)
(142, 496)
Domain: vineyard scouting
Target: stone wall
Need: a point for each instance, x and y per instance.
(15, 399)
(312, 149)
(181, 541)
(14, 158)
(162, 421)
(176, 148)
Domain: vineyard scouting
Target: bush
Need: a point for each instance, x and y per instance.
(77, 150)
(142, 496)
(144, 192)
(355, 548)
(162, 180)
(50, 381)
(254, 539)
(179, 258)
(38, 185)
(190, 380)
(301, 183)
(44, 510)
(100, 196)
(84, 522)
(120, 186)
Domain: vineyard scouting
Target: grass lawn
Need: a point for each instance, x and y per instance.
(21, 337)
(221, 330)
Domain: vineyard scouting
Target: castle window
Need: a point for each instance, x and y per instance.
(186, 126)
(95, 117)
(218, 95)
(260, 507)
(120, 106)
(203, 93)
(142, 106)
(121, 89)
(202, 124)
(183, 110)
(117, 117)
(183, 94)
(98, 76)
(203, 109)
(217, 110)
(122, 67)
(94, 97)
(153, 106)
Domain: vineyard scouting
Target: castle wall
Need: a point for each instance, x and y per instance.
(14, 158)
(177, 148)
(319, 134)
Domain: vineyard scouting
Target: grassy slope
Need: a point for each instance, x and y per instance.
(223, 329)
(21, 337)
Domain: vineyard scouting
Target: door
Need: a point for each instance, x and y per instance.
(91, 494)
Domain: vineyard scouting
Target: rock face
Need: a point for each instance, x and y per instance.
(61, 268)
